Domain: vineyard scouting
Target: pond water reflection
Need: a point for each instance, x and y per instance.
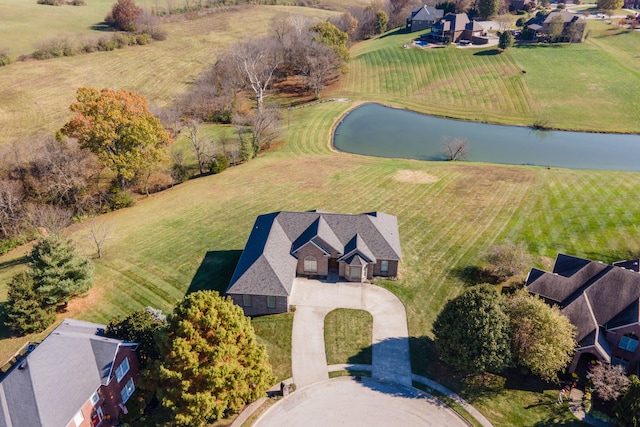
(375, 130)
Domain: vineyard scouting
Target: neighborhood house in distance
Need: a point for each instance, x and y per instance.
(283, 245)
(601, 300)
(75, 377)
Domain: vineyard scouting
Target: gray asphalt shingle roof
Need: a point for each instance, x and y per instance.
(57, 377)
(268, 263)
(426, 13)
(591, 294)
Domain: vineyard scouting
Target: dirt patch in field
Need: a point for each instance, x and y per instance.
(414, 177)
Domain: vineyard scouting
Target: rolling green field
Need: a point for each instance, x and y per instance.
(25, 23)
(35, 95)
(585, 86)
(190, 237)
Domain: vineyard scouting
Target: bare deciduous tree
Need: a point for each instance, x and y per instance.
(504, 22)
(257, 60)
(456, 148)
(98, 232)
(11, 197)
(201, 146)
(320, 65)
(609, 382)
(263, 127)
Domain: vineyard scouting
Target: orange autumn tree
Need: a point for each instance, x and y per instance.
(118, 127)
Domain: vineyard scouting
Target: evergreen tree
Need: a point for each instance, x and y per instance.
(210, 362)
(140, 327)
(59, 272)
(26, 312)
(506, 40)
(472, 331)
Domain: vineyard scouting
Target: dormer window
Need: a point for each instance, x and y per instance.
(629, 342)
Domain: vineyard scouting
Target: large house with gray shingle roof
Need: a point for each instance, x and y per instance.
(602, 301)
(423, 17)
(284, 245)
(76, 377)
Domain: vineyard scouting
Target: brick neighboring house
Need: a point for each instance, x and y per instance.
(75, 377)
(573, 26)
(602, 301)
(283, 245)
(423, 17)
(457, 27)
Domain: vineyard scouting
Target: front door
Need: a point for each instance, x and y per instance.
(333, 264)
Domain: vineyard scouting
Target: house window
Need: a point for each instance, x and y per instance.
(78, 418)
(356, 273)
(310, 265)
(620, 361)
(384, 266)
(127, 390)
(629, 342)
(271, 301)
(122, 369)
(94, 399)
(246, 300)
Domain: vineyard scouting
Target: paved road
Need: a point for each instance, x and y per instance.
(314, 299)
(344, 402)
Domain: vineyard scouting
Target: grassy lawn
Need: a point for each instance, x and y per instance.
(35, 95)
(581, 86)
(25, 24)
(190, 237)
(347, 336)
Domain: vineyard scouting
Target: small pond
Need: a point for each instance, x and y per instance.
(375, 130)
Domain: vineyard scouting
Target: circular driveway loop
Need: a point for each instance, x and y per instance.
(345, 402)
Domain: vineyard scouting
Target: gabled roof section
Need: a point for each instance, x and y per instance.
(357, 246)
(321, 235)
(426, 13)
(565, 15)
(570, 274)
(593, 295)
(267, 265)
(263, 269)
(53, 381)
(458, 21)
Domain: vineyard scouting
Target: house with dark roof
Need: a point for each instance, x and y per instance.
(573, 26)
(76, 377)
(457, 27)
(601, 300)
(422, 18)
(286, 245)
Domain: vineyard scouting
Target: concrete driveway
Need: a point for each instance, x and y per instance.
(314, 299)
(344, 402)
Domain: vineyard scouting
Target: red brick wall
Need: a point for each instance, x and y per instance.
(614, 337)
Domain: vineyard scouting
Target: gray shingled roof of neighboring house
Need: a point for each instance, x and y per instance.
(590, 293)
(426, 13)
(565, 15)
(268, 263)
(58, 377)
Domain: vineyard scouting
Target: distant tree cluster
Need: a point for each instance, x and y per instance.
(480, 330)
(57, 273)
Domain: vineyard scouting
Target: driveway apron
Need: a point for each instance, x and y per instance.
(314, 299)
